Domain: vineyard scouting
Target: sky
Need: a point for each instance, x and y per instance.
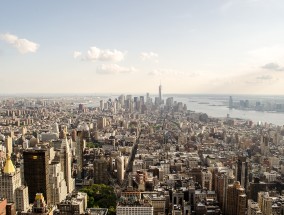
(131, 46)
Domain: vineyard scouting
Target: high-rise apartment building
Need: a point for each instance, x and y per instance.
(36, 173)
(236, 199)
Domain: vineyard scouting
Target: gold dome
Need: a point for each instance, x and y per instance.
(9, 166)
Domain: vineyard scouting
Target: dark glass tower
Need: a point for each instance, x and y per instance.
(36, 173)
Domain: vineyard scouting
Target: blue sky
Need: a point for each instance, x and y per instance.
(191, 46)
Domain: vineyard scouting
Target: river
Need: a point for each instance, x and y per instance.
(217, 106)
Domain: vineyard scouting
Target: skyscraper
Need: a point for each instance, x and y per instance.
(11, 187)
(57, 183)
(160, 94)
(231, 102)
(242, 171)
(236, 199)
(36, 173)
(10, 180)
(100, 171)
(66, 162)
(9, 145)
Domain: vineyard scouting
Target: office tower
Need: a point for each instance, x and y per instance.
(157, 101)
(81, 107)
(101, 104)
(36, 173)
(147, 98)
(264, 145)
(22, 198)
(221, 180)
(136, 103)
(242, 171)
(170, 102)
(102, 122)
(265, 202)
(120, 168)
(106, 106)
(10, 180)
(100, 171)
(79, 153)
(129, 97)
(206, 177)
(131, 109)
(236, 199)
(142, 101)
(121, 100)
(9, 145)
(114, 107)
(57, 183)
(230, 102)
(66, 165)
(160, 94)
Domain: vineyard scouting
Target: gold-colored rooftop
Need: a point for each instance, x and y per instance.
(9, 166)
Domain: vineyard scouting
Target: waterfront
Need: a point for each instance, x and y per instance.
(216, 106)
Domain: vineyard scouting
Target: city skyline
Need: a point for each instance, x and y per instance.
(193, 47)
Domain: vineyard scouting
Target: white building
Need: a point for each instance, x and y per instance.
(57, 183)
(66, 162)
(120, 168)
(134, 209)
(22, 198)
(11, 186)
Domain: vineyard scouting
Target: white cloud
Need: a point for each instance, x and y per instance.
(23, 45)
(273, 67)
(77, 54)
(107, 69)
(96, 54)
(149, 56)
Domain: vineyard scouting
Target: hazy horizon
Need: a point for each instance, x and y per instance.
(92, 46)
(164, 95)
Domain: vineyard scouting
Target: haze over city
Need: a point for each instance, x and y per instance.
(213, 46)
